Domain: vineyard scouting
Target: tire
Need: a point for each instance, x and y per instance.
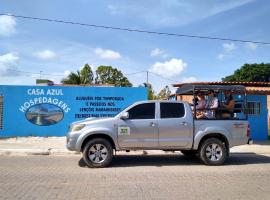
(189, 153)
(213, 152)
(98, 153)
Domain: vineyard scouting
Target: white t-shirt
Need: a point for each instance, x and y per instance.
(211, 103)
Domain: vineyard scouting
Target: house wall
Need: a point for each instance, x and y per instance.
(48, 110)
(268, 109)
(259, 123)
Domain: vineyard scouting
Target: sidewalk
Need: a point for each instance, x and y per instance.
(57, 146)
(33, 146)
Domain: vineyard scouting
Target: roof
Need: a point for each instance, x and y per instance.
(260, 88)
(85, 85)
(189, 88)
(254, 84)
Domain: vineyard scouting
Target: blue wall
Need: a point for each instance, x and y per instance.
(48, 110)
(259, 123)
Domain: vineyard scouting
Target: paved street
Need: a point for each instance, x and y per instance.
(169, 176)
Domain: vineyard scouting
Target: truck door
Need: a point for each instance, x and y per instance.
(175, 125)
(140, 129)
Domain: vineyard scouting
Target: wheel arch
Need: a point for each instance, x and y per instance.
(97, 135)
(219, 136)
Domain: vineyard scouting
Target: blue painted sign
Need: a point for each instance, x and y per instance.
(48, 110)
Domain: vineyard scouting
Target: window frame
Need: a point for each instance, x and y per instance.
(155, 110)
(172, 103)
(256, 111)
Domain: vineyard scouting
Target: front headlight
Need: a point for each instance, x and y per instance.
(76, 127)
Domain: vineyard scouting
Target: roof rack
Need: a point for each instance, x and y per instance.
(190, 89)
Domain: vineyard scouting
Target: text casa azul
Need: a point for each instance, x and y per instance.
(44, 109)
(40, 98)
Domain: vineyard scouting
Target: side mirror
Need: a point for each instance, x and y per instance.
(124, 116)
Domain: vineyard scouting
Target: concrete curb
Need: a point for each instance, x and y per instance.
(26, 152)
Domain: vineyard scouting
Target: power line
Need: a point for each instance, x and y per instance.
(33, 73)
(62, 75)
(168, 79)
(136, 30)
(158, 75)
(130, 74)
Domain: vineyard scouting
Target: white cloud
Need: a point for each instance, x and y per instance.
(169, 68)
(8, 65)
(166, 13)
(229, 46)
(107, 54)
(46, 55)
(189, 79)
(66, 73)
(221, 56)
(251, 46)
(158, 53)
(7, 25)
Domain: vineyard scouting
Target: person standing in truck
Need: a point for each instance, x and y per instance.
(228, 106)
(201, 102)
(200, 106)
(211, 105)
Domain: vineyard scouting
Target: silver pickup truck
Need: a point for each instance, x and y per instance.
(156, 125)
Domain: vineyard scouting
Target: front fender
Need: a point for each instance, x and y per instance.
(96, 130)
(211, 130)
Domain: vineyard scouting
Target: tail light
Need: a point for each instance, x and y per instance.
(248, 131)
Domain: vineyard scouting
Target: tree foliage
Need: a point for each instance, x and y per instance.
(73, 78)
(84, 76)
(87, 75)
(110, 75)
(251, 72)
(164, 93)
(104, 75)
(151, 93)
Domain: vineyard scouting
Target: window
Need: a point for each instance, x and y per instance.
(142, 111)
(253, 108)
(1, 112)
(172, 110)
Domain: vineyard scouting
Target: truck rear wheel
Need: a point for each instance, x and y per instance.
(213, 152)
(98, 153)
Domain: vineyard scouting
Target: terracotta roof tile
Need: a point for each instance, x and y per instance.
(258, 84)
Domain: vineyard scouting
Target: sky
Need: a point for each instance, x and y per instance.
(32, 49)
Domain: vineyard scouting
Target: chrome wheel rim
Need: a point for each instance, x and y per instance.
(214, 152)
(98, 153)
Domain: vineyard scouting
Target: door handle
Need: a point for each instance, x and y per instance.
(184, 123)
(238, 125)
(152, 124)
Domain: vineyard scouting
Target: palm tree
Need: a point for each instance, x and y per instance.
(85, 76)
(73, 78)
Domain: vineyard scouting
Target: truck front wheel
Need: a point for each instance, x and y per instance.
(213, 152)
(98, 153)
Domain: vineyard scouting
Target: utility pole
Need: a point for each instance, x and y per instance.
(40, 74)
(147, 77)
